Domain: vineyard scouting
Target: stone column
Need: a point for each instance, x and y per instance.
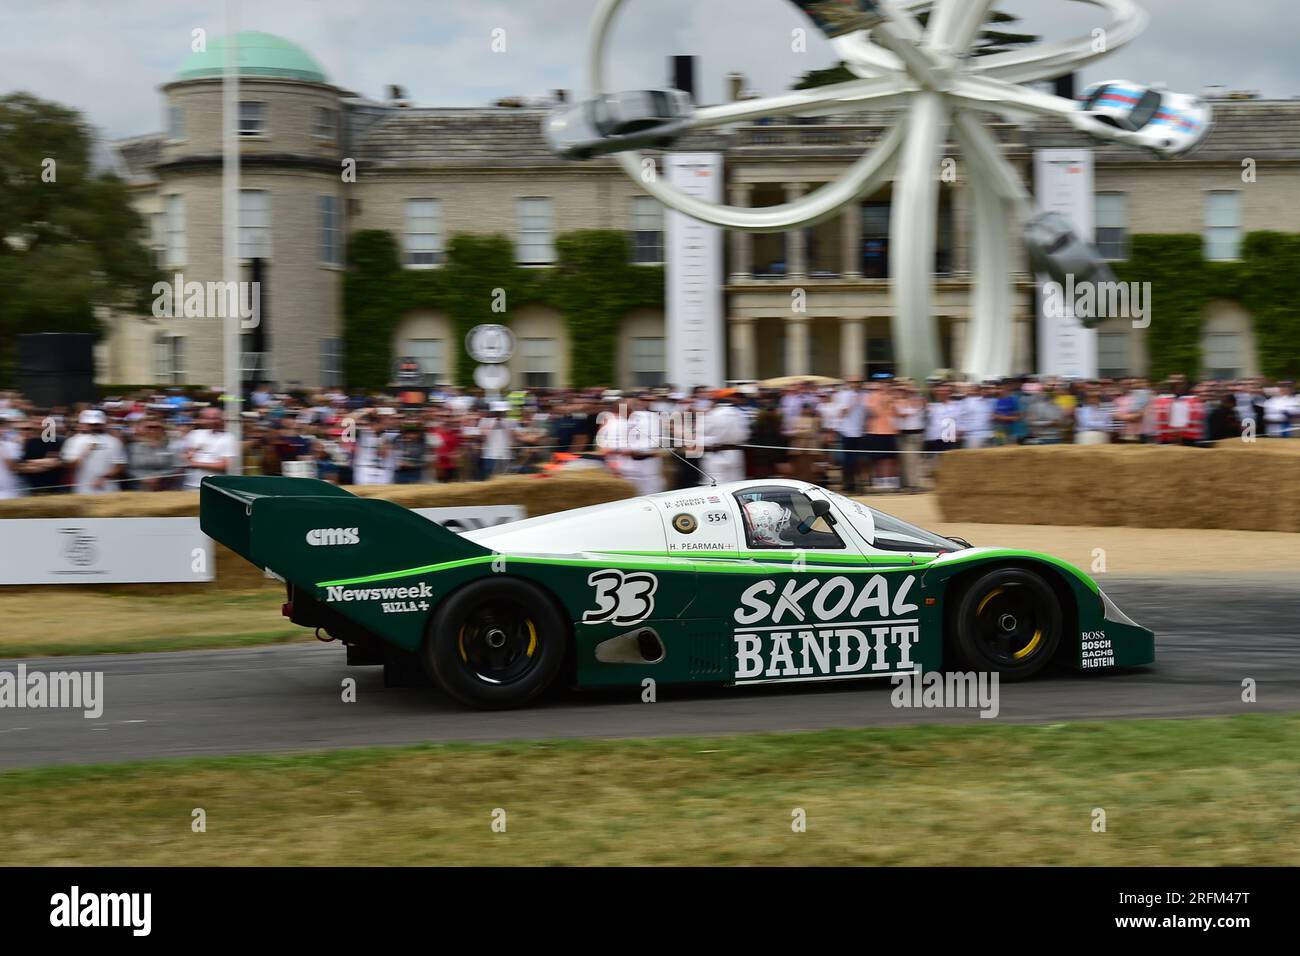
(853, 347)
(796, 243)
(851, 236)
(742, 243)
(798, 358)
(958, 343)
(744, 356)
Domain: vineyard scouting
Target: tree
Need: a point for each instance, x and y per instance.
(70, 241)
(992, 39)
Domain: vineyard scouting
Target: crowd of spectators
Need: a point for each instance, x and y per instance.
(880, 434)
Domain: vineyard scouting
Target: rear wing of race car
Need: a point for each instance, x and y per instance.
(309, 531)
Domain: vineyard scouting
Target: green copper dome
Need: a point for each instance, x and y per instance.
(260, 54)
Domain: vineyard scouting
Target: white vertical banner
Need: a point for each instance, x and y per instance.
(1063, 183)
(695, 345)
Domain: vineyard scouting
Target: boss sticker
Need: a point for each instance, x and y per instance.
(622, 597)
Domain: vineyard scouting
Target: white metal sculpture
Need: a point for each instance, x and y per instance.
(932, 79)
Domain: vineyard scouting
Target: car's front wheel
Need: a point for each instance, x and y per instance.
(1008, 621)
(496, 643)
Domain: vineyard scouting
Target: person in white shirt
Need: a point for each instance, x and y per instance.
(11, 453)
(98, 457)
(498, 437)
(376, 460)
(976, 419)
(209, 449)
(1280, 412)
(851, 424)
(723, 429)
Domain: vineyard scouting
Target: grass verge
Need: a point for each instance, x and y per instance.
(52, 621)
(1178, 792)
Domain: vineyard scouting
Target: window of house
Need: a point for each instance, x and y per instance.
(169, 358)
(875, 240)
(647, 230)
(649, 365)
(252, 118)
(1222, 356)
(1112, 353)
(331, 231)
(1223, 225)
(779, 517)
(175, 122)
(325, 124)
(254, 224)
(331, 362)
(535, 244)
(423, 236)
(538, 359)
(1112, 225)
(175, 240)
(430, 354)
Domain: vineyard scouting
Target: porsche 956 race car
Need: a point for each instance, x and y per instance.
(752, 582)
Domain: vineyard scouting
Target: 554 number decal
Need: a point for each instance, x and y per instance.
(622, 597)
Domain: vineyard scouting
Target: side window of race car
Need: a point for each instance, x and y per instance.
(783, 518)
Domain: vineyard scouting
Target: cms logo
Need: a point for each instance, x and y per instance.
(326, 537)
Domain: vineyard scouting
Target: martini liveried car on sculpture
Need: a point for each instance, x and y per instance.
(770, 581)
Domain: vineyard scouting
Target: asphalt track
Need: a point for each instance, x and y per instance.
(1211, 634)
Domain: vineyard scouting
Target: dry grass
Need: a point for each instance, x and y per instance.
(56, 620)
(1218, 792)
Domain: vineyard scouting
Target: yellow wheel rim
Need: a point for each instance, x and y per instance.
(988, 597)
(1029, 648)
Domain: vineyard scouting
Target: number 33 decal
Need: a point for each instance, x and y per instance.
(621, 598)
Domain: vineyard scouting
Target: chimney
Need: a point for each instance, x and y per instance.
(561, 96)
(1065, 86)
(683, 75)
(397, 96)
(735, 87)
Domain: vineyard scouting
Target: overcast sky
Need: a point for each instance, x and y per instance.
(108, 57)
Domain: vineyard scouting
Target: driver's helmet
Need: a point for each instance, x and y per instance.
(767, 520)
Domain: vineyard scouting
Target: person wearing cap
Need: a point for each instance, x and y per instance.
(97, 457)
(723, 429)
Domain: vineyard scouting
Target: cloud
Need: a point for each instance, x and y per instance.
(110, 66)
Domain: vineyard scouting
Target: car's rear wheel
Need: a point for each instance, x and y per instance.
(1008, 621)
(495, 643)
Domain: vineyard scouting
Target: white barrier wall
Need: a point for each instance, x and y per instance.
(150, 550)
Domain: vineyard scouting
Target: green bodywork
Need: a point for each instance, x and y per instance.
(719, 619)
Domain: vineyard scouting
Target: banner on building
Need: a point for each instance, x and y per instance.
(1063, 183)
(696, 342)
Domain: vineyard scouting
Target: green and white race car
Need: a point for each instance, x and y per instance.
(753, 582)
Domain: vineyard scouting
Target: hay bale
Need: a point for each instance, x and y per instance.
(1141, 486)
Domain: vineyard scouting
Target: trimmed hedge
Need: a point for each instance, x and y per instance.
(1266, 281)
(593, 285)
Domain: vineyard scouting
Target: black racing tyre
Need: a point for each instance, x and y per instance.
(496, 643)
(1008, 621)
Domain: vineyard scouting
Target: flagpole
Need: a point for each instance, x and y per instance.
(233, 387)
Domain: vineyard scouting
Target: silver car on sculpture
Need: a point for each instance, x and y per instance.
(616, 122)
(1056, 250)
